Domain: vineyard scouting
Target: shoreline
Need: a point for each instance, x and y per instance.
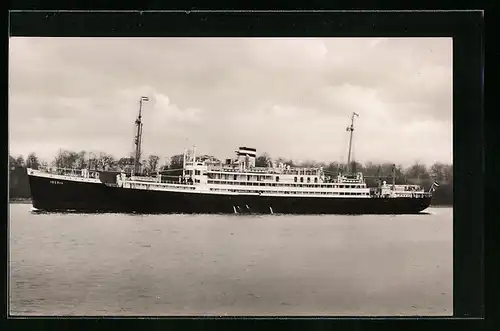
(20, 200)
(28, 200)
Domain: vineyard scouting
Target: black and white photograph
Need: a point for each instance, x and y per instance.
(230, 176)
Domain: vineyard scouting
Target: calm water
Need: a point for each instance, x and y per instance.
(112, 264)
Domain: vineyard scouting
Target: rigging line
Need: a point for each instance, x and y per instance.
(344, 148)
(142, 145)
(346, 151)
(353, 150)
(133, 141)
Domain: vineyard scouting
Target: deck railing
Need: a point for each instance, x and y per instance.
(68, 171)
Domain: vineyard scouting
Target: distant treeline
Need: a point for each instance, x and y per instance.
(374, 173)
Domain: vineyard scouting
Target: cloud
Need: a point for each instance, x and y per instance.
(289, 97)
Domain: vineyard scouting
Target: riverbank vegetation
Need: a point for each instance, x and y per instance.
(417, 173)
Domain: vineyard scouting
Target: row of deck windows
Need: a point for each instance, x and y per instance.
(241, 177)
(285, 185)
(302, 179)
(260, 178)
(256, 172)
(292, 192)
(148, 186)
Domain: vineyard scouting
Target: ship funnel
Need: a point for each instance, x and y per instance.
(247, 156)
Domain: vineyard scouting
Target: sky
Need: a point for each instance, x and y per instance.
(288, 97)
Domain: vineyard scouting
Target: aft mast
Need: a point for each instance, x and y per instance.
(351, 129)
(138, 137)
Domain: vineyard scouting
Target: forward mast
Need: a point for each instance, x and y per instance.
(350, 168)
(138, 137)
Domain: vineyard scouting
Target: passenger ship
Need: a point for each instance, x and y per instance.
(235, 186)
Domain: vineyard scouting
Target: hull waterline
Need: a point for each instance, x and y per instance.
(83, 197)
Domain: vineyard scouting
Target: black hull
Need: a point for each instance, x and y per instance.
(93, 197)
